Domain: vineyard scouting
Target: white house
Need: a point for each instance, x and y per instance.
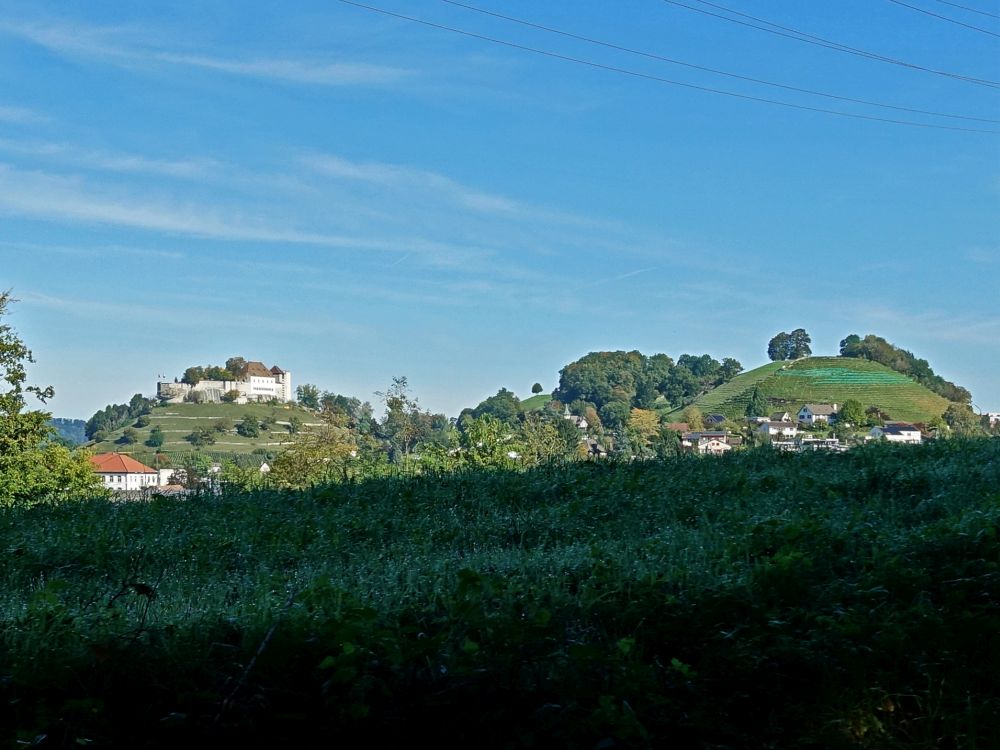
(778, 429)
(812, 413)
(897, 432)
(993, 418)
(123, 473)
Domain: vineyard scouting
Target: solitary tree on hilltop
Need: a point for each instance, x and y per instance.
(536, 388)
(792, 345)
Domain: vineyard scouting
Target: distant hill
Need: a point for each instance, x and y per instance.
(177, 421)
(788, 385)
(73, 430)
(534, 403)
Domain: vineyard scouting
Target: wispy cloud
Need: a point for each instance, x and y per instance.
(103, 160)
(939, 325)
(38, 194)
(984, 255)
(398, 176)
(100, 251)
(20, 115)
(90, 308)
(319, 72)
(126, 46)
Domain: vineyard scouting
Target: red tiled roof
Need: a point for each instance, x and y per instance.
(116, 463)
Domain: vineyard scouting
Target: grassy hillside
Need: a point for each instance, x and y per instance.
(179, 420)
(534, 403)
(759, 600)
(788, 385)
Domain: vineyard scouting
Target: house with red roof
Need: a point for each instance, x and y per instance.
(123, 473)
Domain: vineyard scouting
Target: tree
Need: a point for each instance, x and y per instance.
(799, 341)
(294, 424)
(32, 466)
(201, 436)
(308, 395)
(130, 436)
(778, 347)
(504, 406)
(237, 366)
(757, 406)
(193, 375)
(851, 412)
(792, 345)
(694, 418)
(230, 396)
(155, 439)
(536, 388)
(249, 427)
(962, 420)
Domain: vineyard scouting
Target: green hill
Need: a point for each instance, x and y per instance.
(788, 385)
(179, 420)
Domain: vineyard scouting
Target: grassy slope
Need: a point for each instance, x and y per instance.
(179, 420)
(788, 385)
(759, 600)
(534, 403)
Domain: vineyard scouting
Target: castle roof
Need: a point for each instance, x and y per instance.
(116, 463)
(258, 370)
(277, 370)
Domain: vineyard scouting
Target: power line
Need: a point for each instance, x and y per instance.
(946, 18)
(659, 79)
(673, 61)
(802, 36)
(971, 10)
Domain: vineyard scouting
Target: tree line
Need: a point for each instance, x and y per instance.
(877, 349)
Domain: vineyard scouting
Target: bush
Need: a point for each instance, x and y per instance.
(142, 421)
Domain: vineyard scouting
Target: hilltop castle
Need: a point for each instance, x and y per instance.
(258, 383)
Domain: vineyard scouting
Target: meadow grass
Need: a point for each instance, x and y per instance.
(754, 600)
(789, 385)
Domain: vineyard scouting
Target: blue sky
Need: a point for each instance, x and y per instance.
(355, 196)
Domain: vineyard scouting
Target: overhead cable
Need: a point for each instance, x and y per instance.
(715, 71)
(802, 36)
(966, 7)
(659, 79)
(946, 18)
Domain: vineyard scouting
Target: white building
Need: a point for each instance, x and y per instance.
(257, 384)
(815, 413)
(778, 429)
(123, 473)
(898, 432)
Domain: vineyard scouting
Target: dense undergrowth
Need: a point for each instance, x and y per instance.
(759, 600)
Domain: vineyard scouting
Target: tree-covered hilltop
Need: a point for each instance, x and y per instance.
(614, 383)
(877, 349)
(116, 416)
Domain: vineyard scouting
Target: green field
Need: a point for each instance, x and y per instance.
(534, 403)
(789, 385)
(760, 600)
(179, 420)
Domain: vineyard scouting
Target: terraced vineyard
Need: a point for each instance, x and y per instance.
(178, 421)
(788, 385)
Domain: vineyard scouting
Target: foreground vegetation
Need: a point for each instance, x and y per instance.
(756, 600)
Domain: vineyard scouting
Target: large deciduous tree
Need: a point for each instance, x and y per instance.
(33, 467)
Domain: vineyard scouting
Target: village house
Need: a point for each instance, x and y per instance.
(778, 429)
(897, 432)
(781, 416)
(706, 443)
(123, 473)
(258, 383)
(811, 414)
